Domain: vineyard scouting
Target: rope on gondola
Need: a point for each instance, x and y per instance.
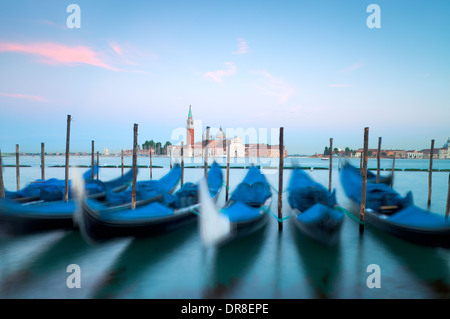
(271, 213)
(275, 189)
(193, 209)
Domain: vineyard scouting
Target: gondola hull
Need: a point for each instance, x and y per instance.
(18, 220)
(241, 229)
(325, 230)
(98, 229)
(313, 209)
(435, 237)
(101, 222)
(247, 210)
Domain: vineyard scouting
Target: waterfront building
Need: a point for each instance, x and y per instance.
(217, 145)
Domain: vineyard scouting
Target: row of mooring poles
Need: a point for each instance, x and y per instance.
(363, 168)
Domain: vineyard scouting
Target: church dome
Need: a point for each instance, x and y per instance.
(447, 144)
(220, 135)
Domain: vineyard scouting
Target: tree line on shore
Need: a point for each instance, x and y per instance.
(336, 151)
(157, 147)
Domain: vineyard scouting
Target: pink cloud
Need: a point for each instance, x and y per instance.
(33, 98)
(53, 24)
(54, 53)
(116, 48)
(242, 47)
(119, 50)
(219, 74)
(271, 85)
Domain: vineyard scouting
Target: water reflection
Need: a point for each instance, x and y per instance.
(321, 263)
(24, 258)
(140, 255)
(230, 264)
(428, 264)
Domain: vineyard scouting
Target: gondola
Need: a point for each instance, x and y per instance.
(48, 210)
(314, 209)
(388, 211)
(49, 187)
(163, 212)
(244, 213)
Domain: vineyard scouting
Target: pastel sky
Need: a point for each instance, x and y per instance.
(313, 67)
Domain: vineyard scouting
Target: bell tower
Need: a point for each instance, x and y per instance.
(190, 129)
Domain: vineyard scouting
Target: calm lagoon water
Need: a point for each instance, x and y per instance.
(269, 264)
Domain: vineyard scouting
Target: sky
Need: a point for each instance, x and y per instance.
(315, 68)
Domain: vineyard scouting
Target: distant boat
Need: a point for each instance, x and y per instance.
(314, 208)
(388, 211)
(49, 211)
(244, 213)
(153, 215)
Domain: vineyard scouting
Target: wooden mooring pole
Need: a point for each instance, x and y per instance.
(42, 161)
(2, 186)
(122, 162)
(17, 168)
(66, 192)
(228, 171)
(206, 152)
(430, 173)
(331, 164)
(447, 209)
(133, 187)
(393, 170)
(378, 159)
(182, 163)
(151, 164)
(280, 181)
(92, 161)
(361, 162)
(98, 163)
(364, 181)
